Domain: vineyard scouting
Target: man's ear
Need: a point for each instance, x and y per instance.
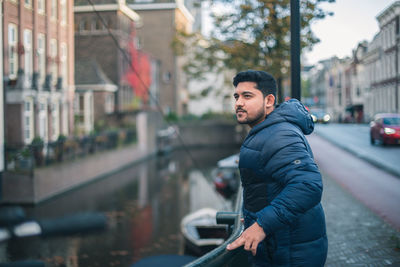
(269, 101)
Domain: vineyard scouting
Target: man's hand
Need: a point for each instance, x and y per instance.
(250, 238)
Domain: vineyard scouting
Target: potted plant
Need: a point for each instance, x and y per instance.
(59, 151)
(37, 150)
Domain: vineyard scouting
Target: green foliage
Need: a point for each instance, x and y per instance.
(37, 142)
(61, 138)
(218, 116)
(190, 117)
(305, 88)
(99, 125)
(249, 34)
(26, 152)
(172, 117)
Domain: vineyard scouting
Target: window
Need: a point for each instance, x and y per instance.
(53, 64)
(83, 25)
(55, 124)
(28, 54)
(43, 120)
(105, 23)
(109, 105)
(81, 106)
(54, 7)
(96, 24)
(12, 50)
(28, 3)
(63, 4)
(65, 119)
(28, 121)
(64, 62)
(41, 6)
(41, 54)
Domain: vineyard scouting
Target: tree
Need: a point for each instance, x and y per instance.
(250, 34)
(138, 72)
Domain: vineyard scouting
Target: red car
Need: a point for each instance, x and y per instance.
(386, 128)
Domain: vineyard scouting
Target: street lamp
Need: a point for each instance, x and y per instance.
(295, 48)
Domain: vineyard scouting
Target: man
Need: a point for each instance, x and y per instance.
(282, 187)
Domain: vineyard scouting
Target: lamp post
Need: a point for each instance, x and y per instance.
(295, 48)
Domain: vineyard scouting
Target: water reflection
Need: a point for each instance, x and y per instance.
(145, 204)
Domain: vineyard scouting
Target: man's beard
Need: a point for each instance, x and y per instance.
(260, 115)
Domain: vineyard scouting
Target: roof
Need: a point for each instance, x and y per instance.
(90, 76)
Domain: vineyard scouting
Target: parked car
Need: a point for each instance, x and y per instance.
(385, 128)
(320, 116)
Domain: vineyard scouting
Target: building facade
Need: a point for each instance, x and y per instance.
(38, 69)
(383, 66)
(367, 83)
(317, 82)
(162, 19)
(103, 34)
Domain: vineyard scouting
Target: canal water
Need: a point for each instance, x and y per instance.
(144, 204)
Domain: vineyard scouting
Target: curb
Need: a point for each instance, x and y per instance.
(360, 155)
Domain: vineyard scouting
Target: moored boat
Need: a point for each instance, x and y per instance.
(201, 231)
(226, 175)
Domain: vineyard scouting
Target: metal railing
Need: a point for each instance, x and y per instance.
(220, 256)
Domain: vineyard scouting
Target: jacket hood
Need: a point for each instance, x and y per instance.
(292, 111)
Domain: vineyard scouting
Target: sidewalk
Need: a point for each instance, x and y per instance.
(356, 236)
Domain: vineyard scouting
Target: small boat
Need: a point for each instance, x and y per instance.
(201, 231)
(165, 139)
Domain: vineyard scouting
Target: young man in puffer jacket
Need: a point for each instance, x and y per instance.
(282, 186)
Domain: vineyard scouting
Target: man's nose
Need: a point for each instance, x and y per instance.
(239, 102)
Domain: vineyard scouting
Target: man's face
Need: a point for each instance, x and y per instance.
(250, 105)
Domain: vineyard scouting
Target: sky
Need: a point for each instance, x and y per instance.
(353, 21)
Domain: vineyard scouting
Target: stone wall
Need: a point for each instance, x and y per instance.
(211, 133)
(50, 181)
(53, 180)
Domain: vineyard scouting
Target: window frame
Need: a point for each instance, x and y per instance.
(41, 54)
(54, 64)
(28, 54)
(12, 50)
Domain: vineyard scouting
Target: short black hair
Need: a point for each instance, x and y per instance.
(265, 81)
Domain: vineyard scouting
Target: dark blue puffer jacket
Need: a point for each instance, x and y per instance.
(282, 189)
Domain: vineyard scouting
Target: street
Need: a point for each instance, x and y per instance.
(355, 138)
(360, 199)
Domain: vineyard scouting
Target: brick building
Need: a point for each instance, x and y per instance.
(38, 69)
(161, 21)
(104, 35)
